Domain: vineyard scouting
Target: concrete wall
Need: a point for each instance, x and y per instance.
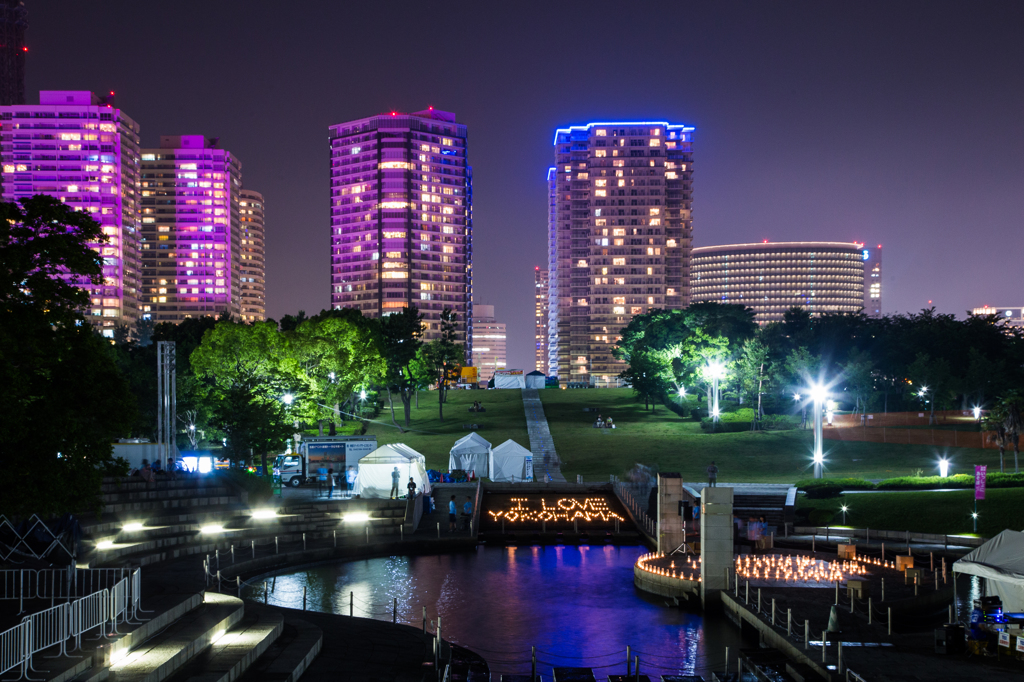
(716, 541)
(670, 521)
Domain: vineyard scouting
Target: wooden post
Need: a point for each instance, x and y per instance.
(629, 662)
(394, 611)
(303, 597)
(890, 620)
(773, 610)
(824, 645)
(351, 604)
(807, 634)
(870, 610)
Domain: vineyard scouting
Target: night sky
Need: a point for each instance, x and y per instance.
(893, 123)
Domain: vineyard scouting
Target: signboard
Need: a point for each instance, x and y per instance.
(529, 510)
(338, 452)
(1020, 644)
(528, 470)
(1004, 639)
(979, 481)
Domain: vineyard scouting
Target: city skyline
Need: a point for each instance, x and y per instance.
(816, 123)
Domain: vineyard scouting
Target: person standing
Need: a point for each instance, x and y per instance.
(451, 515)
(330, 483)
(395, 478)
(411, 488)
(350, 479)
(467, 512)
(713, 475)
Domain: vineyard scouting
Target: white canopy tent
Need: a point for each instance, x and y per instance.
(1000, 565)
(373, 479)
(470, 453)
(511, 463)
(509, 378)
(535, 380)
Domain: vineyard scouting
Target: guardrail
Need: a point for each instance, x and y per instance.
(625, 494)
(57, 583)
(900, 536)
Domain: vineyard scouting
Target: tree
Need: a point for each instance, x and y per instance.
(401, 335)
(755, 371)
(857, 374)
(933, 376)
(63, 401)
(649, 376)
(995, 423)
(1012, 405)
(441, 356)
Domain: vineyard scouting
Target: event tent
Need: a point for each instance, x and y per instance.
(509, 378)
(511, 463)
(1000, 565)
(535, 380)
(373, 478)
(470, 453)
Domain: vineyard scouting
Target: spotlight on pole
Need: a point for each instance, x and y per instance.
(288, 398)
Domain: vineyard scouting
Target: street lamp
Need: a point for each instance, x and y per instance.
(288, 398)
(977, 413)
(974, 516)
(715, 369)
(362, 394)
(682, 392)
(818, 395)
(803, 410)
(844, 508)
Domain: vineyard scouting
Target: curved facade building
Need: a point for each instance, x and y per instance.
(253, 265)
(772, 277)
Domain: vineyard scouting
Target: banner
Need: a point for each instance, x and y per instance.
(979, 481)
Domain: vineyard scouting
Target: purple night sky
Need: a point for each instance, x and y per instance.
(899, 124)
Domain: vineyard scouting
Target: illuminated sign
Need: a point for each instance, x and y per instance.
(523, 509)
(867, 254)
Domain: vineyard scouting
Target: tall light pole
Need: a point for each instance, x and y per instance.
(803, 410)
(715, 369)
(818, 395)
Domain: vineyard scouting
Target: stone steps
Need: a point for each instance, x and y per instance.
(289, 656)
(233, 653)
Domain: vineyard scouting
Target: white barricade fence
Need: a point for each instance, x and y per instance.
(88, 613)
(48, 628)
(135, 591)
(14, 648)
(90, 580)
(56, 583)
(118, 603)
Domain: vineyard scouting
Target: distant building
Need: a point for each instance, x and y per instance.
(619, 236)
(191, 229)
(489, 342)
(253, 265)
(1009, 316)
(13, 51)
(772, 277)
(873, 281)
(402, 217)
(540, 314)
(78, 147)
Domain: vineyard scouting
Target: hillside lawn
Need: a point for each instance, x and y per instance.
(926, 512)
(661, 437)
(505, 418)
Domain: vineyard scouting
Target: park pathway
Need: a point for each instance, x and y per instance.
(545, 459)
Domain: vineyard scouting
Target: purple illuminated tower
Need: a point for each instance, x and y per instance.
(191, 230)
(78, 147)
(401, 217)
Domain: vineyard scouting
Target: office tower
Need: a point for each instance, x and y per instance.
(76, 146)
(1010, 317)
(13, 24)
(772, 277)
(540, 314)
(401, 217)
(489, 343)
(873, 281)
(191, 230)
(619, 237)
(253, 265)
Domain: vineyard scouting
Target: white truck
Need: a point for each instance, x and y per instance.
(325, 452)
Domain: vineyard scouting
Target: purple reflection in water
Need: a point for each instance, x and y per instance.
(577, 605)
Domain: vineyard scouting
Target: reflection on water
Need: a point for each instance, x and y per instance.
(577, 605)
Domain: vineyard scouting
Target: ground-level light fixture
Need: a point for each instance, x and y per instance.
(134, 526)
(212, 528)
(264, 513)
(357, 517)
(106, 544)
(977, 412)
(943, 467)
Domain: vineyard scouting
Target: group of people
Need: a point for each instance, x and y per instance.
(148, 473)
(410, 487)
(602, 423)
(476, 407)
(467, 513)
(350, 481)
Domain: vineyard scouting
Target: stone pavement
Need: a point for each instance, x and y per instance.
(546, 466)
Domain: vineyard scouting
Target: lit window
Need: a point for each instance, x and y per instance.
(618, 310)
(622, 261)
(620, 300)
(601, 132)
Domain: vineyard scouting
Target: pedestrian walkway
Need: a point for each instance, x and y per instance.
(546, 466)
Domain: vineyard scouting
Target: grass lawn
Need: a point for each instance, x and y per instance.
(675, 444)
(505, 418)
(928, 512)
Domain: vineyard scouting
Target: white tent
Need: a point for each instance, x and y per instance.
(374, 472)
(509, 378)
(535, 380)
(1000, 564)
(470, 453)
(511, 463)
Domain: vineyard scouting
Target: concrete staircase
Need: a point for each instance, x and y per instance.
(145, 523)
(542, 445)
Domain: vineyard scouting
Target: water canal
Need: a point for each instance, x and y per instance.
(576, 604)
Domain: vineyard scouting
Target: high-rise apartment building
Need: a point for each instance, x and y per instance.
(873, 281)
(13, 51)
(772, 277)
(1011, 317)
(620, 229)
(191, 229)
(253, 265)
(401, 217)
(540, 314)
(76, 146)
(489, 342)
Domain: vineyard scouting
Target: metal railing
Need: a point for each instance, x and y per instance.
(14, 648)
(57, 583)
(625, 494)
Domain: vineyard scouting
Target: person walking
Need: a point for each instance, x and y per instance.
(330, 483)
(713, 475)
(452, 511)
(395, 478)
(350, 479)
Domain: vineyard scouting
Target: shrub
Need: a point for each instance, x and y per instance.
(777, 422)
(708, 425)
(699, 413)
(259, 487)
(821, 517)
(821, 488)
